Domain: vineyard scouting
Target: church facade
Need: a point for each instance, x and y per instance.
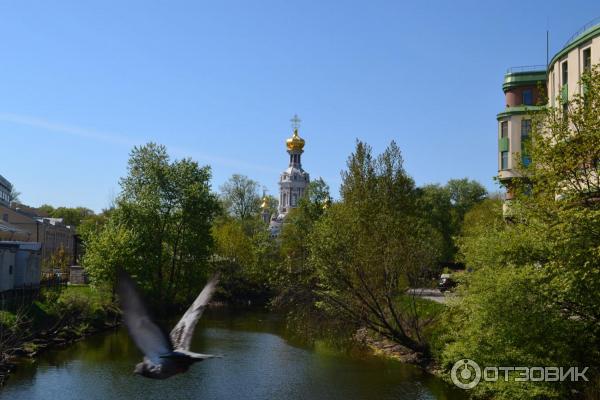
(293, 182)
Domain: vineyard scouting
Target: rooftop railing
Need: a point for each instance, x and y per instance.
(526, 68)
(586, 27)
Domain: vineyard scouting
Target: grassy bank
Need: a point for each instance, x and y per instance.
(57, 318)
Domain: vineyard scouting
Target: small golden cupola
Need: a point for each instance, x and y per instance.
(265, 203)
(295, 142)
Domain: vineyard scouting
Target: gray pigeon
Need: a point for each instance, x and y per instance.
(164, 355)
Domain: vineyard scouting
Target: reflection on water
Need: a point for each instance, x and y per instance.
(258, 363)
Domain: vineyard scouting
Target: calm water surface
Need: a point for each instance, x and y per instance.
(259, 363)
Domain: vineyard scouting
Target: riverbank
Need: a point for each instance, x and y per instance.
(58, 318)
(79, 312)
(260, 361)
(388, 349)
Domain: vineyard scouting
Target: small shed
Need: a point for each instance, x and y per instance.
(77, 275)
(8, 253)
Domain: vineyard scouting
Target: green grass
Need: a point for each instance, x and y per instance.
(88, 293)
(426, 308)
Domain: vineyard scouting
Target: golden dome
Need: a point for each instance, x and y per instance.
(265, 203)
(327, 203)
(295, 142)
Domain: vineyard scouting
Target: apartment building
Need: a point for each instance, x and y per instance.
(526, 87)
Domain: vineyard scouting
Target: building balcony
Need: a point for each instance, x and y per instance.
(509, 111)
(506, 174)
(524, 76)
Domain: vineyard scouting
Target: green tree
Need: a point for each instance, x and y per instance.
(58, 259)
(437, 209)
(108, 248)
(91, 224)
(72, 215)
(14, 195)
(535, 294)
(296, 278)
(501, 317)
(464, 194)
(244, 254)
(372, 246)
(45, 210)
(240, 196)
(445, 208)
(168, 209)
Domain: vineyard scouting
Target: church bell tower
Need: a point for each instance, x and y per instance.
(294, 180)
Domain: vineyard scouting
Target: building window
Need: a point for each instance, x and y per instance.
(527, 97)
(525, 128)
(504, 160)
(587, 59)
(565, 73)
(504, 129)
(5, 217)
(552, 88)
(10, 269)
(525, 137)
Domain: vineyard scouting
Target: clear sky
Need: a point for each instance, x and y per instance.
(81, 82)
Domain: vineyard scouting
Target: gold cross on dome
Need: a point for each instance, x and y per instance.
(295, 122)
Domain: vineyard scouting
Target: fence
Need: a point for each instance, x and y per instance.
(11, 300)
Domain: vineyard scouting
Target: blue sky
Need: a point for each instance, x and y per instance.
(83, 82)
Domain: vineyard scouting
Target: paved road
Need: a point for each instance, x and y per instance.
(429, 294)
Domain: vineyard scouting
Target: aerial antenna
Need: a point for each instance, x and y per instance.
(547, 47)
(547, 41)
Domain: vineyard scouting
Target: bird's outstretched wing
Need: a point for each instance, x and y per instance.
(146, 334)
(181, 335)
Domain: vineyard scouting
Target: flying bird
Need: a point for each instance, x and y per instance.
(164, 355)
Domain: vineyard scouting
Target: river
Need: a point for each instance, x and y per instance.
(258, 363)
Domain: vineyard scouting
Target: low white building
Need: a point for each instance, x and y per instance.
(28, 271)
(19, 265)
(8, 254)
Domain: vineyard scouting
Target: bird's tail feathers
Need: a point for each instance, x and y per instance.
(188, 354)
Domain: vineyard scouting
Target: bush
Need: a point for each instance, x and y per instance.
(502, 317)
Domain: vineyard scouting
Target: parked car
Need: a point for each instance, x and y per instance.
(446, 282)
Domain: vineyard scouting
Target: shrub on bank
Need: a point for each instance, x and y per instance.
(79, 305)
(59, 314)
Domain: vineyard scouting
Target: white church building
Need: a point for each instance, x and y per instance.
(292, 182)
